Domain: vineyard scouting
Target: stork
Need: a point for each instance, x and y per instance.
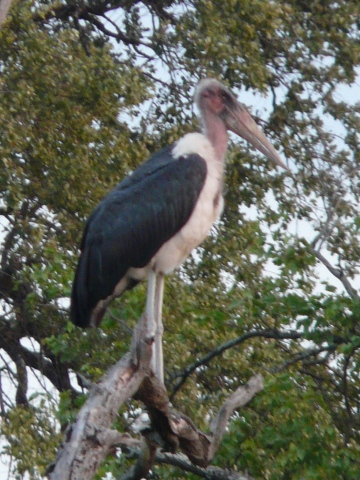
(151, 221)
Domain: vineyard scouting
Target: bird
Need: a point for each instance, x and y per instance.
(153, 219)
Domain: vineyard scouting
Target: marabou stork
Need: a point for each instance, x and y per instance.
(154, 218)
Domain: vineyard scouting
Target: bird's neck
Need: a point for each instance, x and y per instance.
(216, 132)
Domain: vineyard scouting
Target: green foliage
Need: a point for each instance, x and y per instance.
(290, 435)
(83, 102)
(32, 438)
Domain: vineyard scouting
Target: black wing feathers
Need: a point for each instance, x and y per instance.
(131, 224)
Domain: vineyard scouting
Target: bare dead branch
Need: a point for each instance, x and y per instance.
(173, 430)
(91, 437)
(238, 399)
(177, 431)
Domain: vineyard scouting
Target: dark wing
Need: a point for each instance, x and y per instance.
(131, 224)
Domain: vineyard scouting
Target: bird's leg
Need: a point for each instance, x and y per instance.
(158, 350)
(150, 304)
(154, 321)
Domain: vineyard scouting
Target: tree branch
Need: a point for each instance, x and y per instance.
(53, 370)
(132, 448)
(209, 473)
(172, 430)
(91, 438)
(238, 399)
(337, 274)
(180, 461)
(269, 333)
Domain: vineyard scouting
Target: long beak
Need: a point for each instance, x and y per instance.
(239, 121)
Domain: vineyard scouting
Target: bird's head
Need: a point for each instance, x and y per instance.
(214, 99)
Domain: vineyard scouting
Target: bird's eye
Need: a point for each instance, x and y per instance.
(225, 96)
(209, 93)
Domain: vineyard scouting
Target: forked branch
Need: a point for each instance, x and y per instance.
(91, 438)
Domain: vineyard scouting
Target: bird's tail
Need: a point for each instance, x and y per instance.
(80, 308)
(96, 277)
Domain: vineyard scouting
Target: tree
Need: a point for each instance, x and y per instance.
(89, 90)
